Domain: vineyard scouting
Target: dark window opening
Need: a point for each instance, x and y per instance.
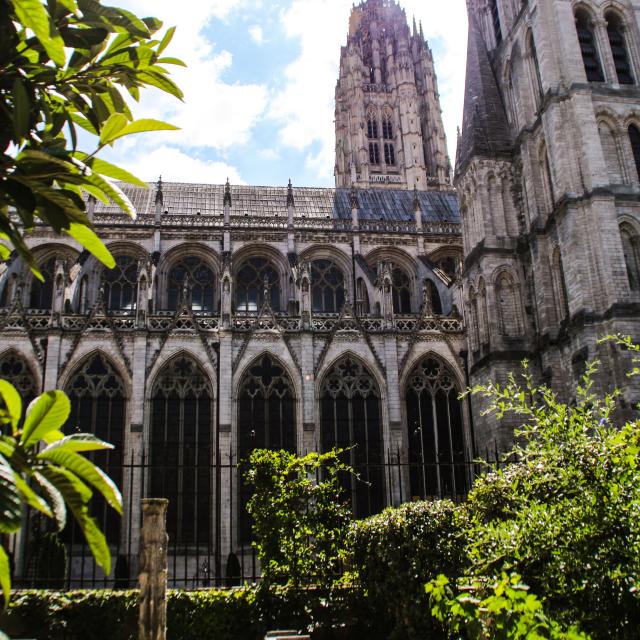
(193, 277)
(387, 129)
(266, 420)
(374, 153)
(437, 460)
(372, 127)
(634, 138)
(327, 287)
(389, 153)
(401, 291)
(588, 48)
(181, 450)
(121, 284)
(495, 19)
(619, 49)
(350, 419)
(97, 397)
(253, 277)
(42, 292)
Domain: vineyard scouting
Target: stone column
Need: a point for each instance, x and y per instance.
(152, 623)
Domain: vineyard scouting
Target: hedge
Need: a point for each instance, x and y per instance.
(113, 615)
(393, 554)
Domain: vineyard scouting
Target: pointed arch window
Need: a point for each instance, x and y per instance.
(41, 296)
(610, 152)
(327, 287)
(437, 459)
(631, 249)
(121, 284)
(181, 449)
(374, 153)
(350, 419)
(97, 395)
(634, 138)
(617, 42)
(533, 55)
(586, 39)
(266, 420)
(387, 124)
(253, 276)
(14, 369)
(372, 124)
(192, 276)
(9, 290)
(389, 154)
(401, 290)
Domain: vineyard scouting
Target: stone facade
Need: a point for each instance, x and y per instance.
(548, 178)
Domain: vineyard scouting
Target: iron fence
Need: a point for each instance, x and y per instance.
(207, 522)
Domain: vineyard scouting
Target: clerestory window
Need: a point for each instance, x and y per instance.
(586, 38)
(121, 284)
(191, 281)
(615, 32)
(256, 275)
(327, 287)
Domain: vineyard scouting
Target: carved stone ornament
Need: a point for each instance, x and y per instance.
(152, 623)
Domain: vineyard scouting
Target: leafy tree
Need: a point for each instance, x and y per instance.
(566, 517)
(42, 468)
(65, 67)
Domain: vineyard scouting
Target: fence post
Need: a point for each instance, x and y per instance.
(152, 623)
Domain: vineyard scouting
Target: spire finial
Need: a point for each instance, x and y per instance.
(227, 194)
(159, 197)
(353, 197)
(416, 202)
(415, 28)
(421, 31)
(290, 202)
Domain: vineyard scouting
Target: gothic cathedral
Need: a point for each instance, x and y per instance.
(300, 318)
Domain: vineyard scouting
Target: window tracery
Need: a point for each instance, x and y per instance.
(266, 420)
(350, 418)
(180, 449)
(254, 275)
(401, 291)
(14, 369)
(327, 287)
(197, 278)
(121, 284)
(98, 401)
(437, 460)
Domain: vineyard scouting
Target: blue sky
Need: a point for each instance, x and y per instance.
(259, 88)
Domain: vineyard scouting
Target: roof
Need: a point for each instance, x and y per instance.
(485, 130)
(309, 202)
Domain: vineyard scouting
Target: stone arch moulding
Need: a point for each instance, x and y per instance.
(283, 359)
(176, 351)
(30, 363)
(82, 355)
(446, 358)
(328, 252)
(392, 254)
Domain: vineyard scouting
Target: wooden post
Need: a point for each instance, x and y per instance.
(152, 623)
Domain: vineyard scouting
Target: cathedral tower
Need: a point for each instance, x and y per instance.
(388, 124)
(547, 172)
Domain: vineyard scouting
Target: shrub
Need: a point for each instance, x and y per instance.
(395, 552)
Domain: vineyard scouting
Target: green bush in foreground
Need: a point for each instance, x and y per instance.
(395, 552)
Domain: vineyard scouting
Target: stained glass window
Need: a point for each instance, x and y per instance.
(195, 278)
(121, 284)
(327, 287)
(254, 275)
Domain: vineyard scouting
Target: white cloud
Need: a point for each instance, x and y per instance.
(306, 103)
(176, 166)
(256, 34)
(215, 114)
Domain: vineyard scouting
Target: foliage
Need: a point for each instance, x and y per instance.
(42, 468)
(393, 553)
(300, 519)
(65, 66)
(566, 517)
(504, 610)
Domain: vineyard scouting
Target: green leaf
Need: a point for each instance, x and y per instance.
(54, 499)
(87, 471)
(48, 413)
(33, 15)
(115, 123)
(166, 39)
(112, 171)
(170, 60)
(76, 496)
(79, 442)
(21, 110)
(143, 125)
(10, 501)
(12, 401)
(113, 191)
(158, 80)
(31, 497)
(90, 241)
(5, 579)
